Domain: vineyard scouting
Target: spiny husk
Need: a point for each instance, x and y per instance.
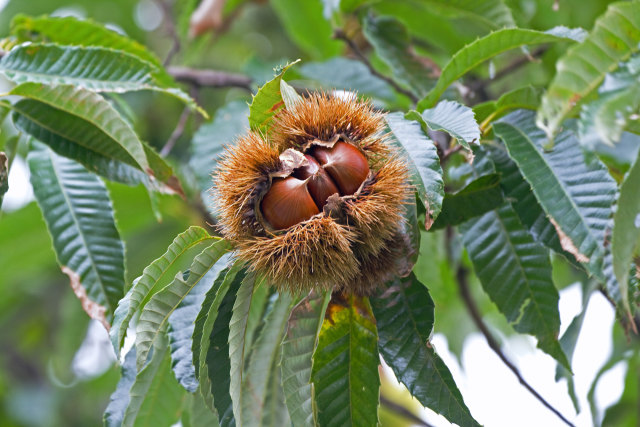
(242, 174)
(322, 117)
(314, 254)
(354, 244)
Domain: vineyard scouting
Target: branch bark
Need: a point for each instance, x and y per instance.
(473, 310)
(210, 78)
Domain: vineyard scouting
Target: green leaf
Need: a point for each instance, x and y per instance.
(181, 325)
(267, 102)
(486, 48)
(423, 162)
(491, 13)
(298, 345)
(263, 398)
(156, 398)
(348, 74)
(576, 196)
(527, 97)
(76, 139)
(215, 365)
(94, 68)
(518, 191)
(79, 216)
(4, 175)
(119, 400)
(345, 364)
(238, 345)
(69, 30)
(155, 314)
(515, 271)
(392, 43)
(118, 140)
(197, 414)
(229, 122)
(303, 22)
(614, 38)
(625, 238)
(405, 313)
(157, 275)
(451, 117)
(478, 197)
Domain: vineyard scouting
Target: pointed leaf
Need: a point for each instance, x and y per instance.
(197, 414)
(267, 102)
(576, 196)
(79, 216)
(95, 68)
(238, 345)
(492, 13)
(423, 161)
(156, 276)
(527, 97)
(625, 238)
(298, 345)
(524, 202)
(72, 31)
(348, 74)
(156, 312)
(118, 140)
(155, 396)
(614, 38)
(213, 354)
(263, 399)
(392, 43)
(405, 313)
(181, 325)
(478, 197)
(515, 272)
(487, 47)
(345, 364)
(114, 414)
(454, 118)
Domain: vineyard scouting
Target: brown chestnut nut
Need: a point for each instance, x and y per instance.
(320, 184)
(287, 203)
(345, 164)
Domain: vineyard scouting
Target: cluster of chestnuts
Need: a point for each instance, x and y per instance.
(319, 202)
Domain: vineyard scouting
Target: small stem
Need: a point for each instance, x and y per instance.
(510, 68)
(340, 35)
(493, 344)
(171, 29)
(177, 132)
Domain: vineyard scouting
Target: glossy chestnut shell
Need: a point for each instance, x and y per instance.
(340, 169)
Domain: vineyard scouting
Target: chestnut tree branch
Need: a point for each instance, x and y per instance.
(210, 78)
(510, 68)
(403, 412)
(473, 310)
(341, 35)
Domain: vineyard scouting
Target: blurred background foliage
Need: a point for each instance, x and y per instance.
(52, 370)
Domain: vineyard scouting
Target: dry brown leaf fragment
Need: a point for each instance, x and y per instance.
(567, 244)
(92, 308)
(207, 16)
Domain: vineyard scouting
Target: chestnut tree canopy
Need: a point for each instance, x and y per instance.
(271, 206)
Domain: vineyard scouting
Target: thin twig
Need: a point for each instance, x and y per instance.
(449, 152)
(177, 132)
(210, 78)
(340, 35)
(171, 29)
(510, 68)
(402, 411)
(493, 344)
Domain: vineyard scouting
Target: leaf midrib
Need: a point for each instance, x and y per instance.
(76, 221)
